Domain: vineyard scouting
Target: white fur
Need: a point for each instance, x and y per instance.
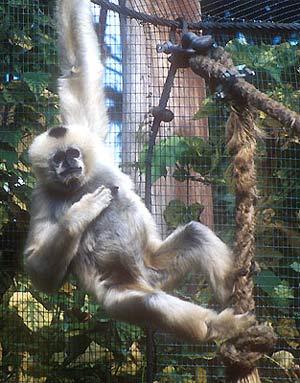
(80, 86)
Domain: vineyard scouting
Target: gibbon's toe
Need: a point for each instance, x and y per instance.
(228, 325)
(244, 321)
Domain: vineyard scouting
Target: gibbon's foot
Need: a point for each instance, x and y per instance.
(227, 325)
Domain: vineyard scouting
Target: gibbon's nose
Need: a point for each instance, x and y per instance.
(70, 162)
(71, 157)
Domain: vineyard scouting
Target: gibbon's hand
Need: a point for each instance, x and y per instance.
(93, 203)
(89, 207)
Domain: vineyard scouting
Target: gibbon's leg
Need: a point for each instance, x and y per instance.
(185, 319)
(195, 247)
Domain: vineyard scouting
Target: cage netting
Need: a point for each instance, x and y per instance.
(66, 337)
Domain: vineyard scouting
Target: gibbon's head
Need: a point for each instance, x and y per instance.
(62, 158)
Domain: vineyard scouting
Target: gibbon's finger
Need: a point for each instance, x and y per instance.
(98, 190)
(104, 192)
(104, 198)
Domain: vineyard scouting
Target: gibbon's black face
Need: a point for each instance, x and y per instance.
(65, 171)
(68, 167)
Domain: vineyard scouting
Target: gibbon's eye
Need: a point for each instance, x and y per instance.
(73, 152)
(58, 157)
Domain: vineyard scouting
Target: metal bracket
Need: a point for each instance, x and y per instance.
(191, 44)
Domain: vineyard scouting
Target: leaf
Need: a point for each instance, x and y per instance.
(180, 174)
(36, 81)
(200, 374)
(67, 288)
(133, 363)
(274, 72)
(284, 291)
(284, 358)
(269, 59)
(177, 213)
(22, 40)
(11, 138)
(282, 295)
(94, 353)
(295, 266)
(207, 109)
(8, 97)
(267, 281)
(15, 3)
(173, 213)
(10, 157)
(33, 313)
(165, 153)
(287, 329)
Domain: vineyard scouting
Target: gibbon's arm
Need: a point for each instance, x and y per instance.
(51, 246)
(80, 85)
(49, 250)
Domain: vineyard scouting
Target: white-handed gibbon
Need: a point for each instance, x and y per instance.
(87, 220)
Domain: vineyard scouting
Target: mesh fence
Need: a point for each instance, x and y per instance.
(67, 337)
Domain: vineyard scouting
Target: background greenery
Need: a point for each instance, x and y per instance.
(65, 337)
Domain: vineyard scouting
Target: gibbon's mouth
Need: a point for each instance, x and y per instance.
(69, 171)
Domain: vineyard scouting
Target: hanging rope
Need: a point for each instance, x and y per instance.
(240, 355)
(241, 145)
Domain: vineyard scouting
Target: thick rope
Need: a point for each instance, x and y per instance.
(215, 70)
(200, 25)
(241, 145)
(240, 355)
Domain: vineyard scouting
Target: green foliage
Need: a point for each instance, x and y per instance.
(27, 101)
(180, 156)
(66, 337)
(177, 213)
(165, 154)
(271, 60)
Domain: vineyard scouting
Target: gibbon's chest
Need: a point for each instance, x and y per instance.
(115, 228)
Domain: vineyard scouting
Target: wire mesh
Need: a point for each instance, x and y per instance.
(66, 337)
(271, 10)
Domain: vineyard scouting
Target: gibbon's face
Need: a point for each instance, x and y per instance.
(63, 158)
(65, 163)
(68, 167)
